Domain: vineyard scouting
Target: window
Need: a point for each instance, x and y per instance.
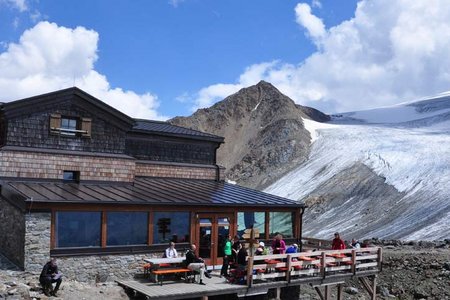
(282, 222)
(71, 176)
(171, 226)
(70, 126)
(127, 228)
(247, 220)
(78, 229)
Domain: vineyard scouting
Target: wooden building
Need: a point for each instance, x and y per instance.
(100, 190)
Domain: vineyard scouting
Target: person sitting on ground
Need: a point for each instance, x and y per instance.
(338, 243)
(50, 275)
(292, 249)
(195, 263)
(355, 244)
(171, 252)
(278, 245)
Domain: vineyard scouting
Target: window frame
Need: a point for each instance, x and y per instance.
(83, 126)
(56, 232)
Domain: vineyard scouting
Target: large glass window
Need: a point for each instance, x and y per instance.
(127, 228)
(78, 229)
(171, 226)
(282, 222)
(257, 220)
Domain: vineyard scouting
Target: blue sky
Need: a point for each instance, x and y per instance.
(160, 59)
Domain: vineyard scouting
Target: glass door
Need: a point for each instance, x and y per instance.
(205, 232)
(212, 231)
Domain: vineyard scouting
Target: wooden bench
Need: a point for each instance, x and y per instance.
(163, 272)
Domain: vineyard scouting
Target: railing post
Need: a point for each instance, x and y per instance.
(323, 264)
(354, 261)
(380, 259)
(289, 267)
(250, 271)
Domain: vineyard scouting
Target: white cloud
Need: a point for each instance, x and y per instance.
(21, 5)
(213, 93)
(175, 3)
(316, 3)
(49, 57)
(313, 24)
(389, 52)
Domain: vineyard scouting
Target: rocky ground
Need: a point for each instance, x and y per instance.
(410, 271)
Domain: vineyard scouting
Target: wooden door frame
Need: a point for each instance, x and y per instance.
(214, 260)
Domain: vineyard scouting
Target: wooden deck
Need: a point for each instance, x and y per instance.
(321, 269)
(181, 290)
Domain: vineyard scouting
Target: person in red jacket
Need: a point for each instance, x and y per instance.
(338, 243)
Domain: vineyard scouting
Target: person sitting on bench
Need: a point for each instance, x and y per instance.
(171, 252)
(195, 263)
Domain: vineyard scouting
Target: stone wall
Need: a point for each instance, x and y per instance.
(12, 232)
(172, 170)
(51, 165)
(87, 268)
(101, 268)
(37, 241)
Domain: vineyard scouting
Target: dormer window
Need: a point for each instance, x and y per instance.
(70, 126)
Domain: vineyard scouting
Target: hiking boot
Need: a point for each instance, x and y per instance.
(46, 292)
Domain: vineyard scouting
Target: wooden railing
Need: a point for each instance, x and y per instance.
(309, 265)
(313, 243)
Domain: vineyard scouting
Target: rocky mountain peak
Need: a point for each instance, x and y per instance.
(263, 130)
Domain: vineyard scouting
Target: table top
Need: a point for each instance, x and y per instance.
(157, 261)
(337, 255)
(272, 261)
(307, 258)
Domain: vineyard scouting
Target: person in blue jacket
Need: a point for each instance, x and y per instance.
(292, 249)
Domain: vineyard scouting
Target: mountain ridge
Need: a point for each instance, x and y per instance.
(376, 173)
(269, 126)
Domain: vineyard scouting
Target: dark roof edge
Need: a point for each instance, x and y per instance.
(165, 204)
(176, 164)
(206, 136)
(272, 195)
(186, 136)
(12, 196)
(19, 104)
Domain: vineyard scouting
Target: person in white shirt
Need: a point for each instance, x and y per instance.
(355, 244)
(171, 252)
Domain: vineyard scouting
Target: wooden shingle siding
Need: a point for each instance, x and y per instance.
(51, 166)
(159, 148)
(33, 130)
(175, 171)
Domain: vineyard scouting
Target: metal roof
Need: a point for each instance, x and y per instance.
(167, 128)
(145, 190)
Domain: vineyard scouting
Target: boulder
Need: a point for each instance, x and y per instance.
(351, 290)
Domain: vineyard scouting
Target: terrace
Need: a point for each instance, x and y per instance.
(323, 270)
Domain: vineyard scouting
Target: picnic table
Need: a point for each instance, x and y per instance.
(159, 267)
